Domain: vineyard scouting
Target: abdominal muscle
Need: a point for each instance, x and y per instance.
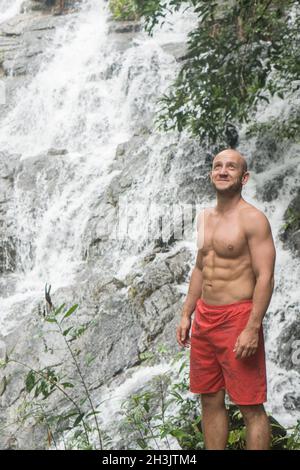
(226, 281)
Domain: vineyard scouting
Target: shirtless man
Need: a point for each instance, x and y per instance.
(230, 290)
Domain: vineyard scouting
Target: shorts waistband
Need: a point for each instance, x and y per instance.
(234, 304)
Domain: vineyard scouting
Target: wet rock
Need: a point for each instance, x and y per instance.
(22, 40)
(2, 350)
(8, 251)
(271, 188)
(122, 27)
(34, 5)
(122, 33)
(8, 255)
(54, 151)
(295, 241)
(291, 401)
(290, 234)
(267, 150)
(289, 347)
(177, 49)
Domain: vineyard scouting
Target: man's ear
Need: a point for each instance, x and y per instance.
(245, 177)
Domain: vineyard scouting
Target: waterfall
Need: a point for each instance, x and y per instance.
(64, 129)
(70, 105)
(9, 8)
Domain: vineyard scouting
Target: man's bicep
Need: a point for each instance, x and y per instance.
(261, 246)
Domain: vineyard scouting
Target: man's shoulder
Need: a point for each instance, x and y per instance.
(252, 212)
(253, 219)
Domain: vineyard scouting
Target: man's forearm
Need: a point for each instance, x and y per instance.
(194, 293)
(261, 298)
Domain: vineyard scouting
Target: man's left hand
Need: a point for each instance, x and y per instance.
(246, 344)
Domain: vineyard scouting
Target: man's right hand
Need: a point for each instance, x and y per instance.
(182, 332)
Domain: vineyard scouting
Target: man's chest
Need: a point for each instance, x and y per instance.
(225, 237)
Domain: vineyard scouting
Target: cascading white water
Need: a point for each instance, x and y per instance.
(9, 8)
(70, 104)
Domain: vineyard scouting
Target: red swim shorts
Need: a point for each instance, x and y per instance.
(213, 365)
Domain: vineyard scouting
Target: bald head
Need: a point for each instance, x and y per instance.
(237, 157)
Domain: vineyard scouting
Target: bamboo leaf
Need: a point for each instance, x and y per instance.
(70, 311)
(50, 320)
(59, 309)
(78, 419)
(67, 385)
(30, 381)
(67, 331)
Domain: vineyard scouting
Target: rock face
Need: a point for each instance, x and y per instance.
(289, 347)
(44, 5)
(22, 40)
(8, 165)
(291, 230)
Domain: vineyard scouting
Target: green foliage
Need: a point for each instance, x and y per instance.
(70, 311)
(236, 439)
(284, 130)
(241, 53)
(150, 418)
(161, 410)
(292, 220)
(40, 384)
(293, 442)
(43, 383)
(154, 11)
(124, 10)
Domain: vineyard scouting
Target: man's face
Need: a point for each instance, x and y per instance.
(227, 174)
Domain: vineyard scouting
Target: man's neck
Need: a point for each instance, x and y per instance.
(228, 202)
